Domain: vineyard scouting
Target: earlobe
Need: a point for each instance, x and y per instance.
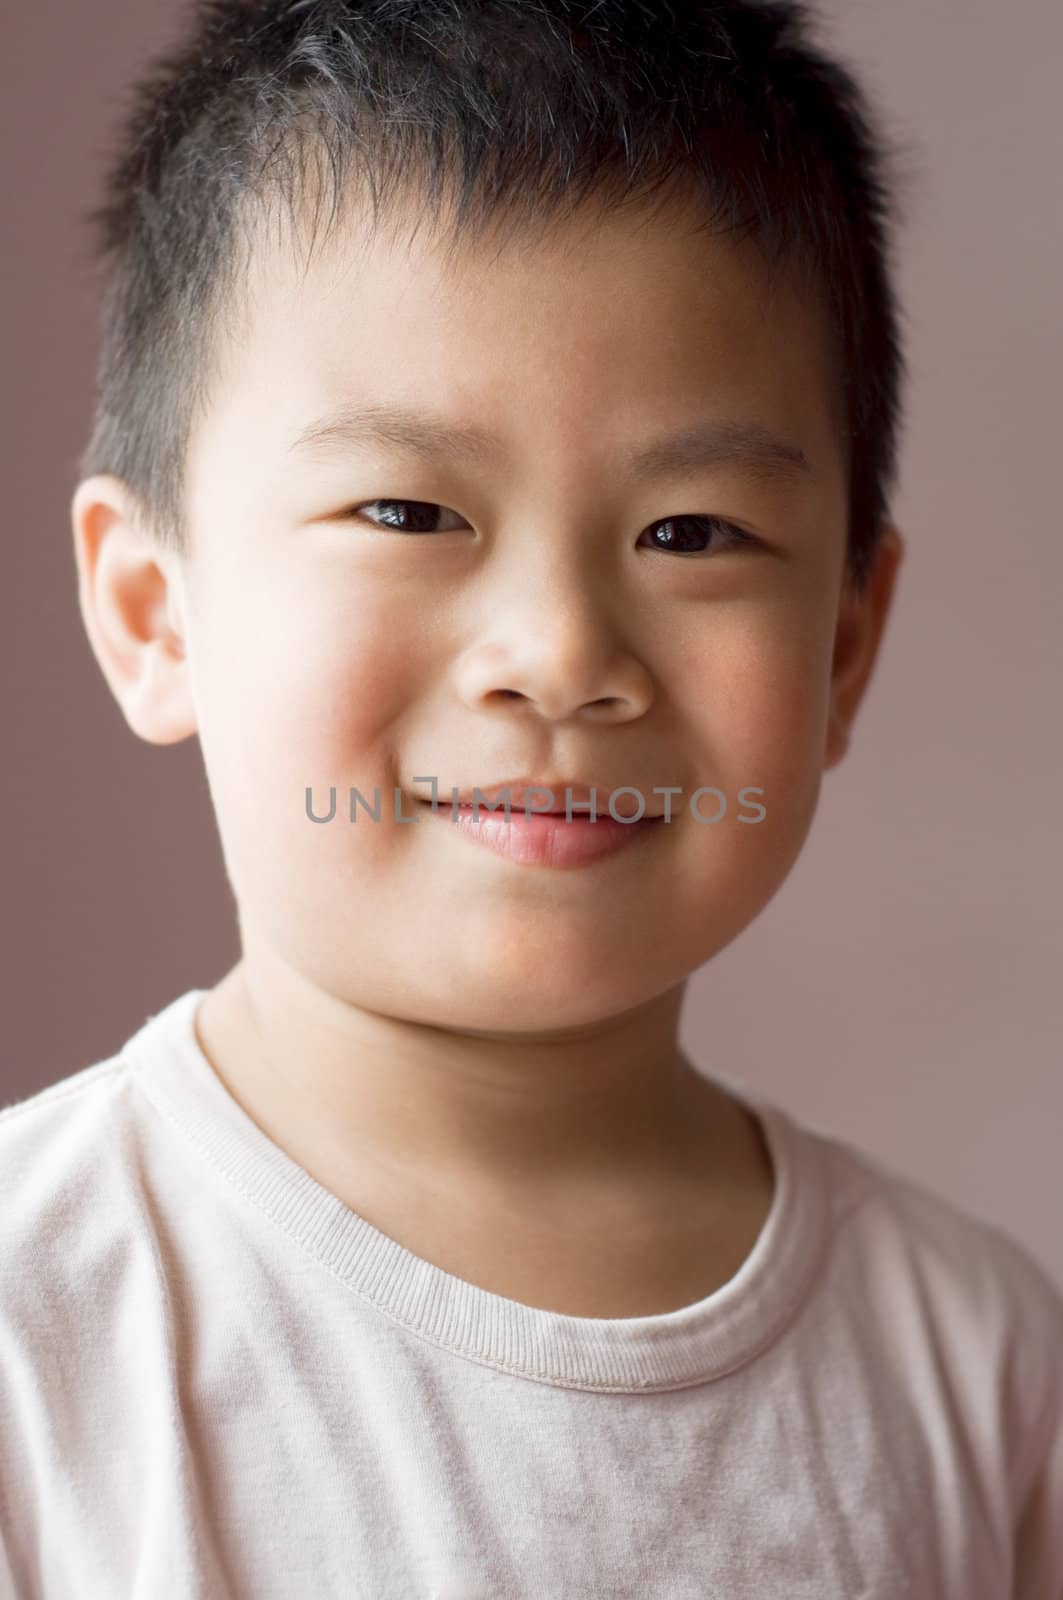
(132, 605)
(858, 636)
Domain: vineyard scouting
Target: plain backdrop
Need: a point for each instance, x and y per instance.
(902, 990)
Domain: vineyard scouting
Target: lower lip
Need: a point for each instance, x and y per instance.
(546, 840)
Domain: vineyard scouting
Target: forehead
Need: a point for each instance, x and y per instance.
(597, 327)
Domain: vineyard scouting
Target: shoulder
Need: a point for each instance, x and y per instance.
(67, 1203)
(67, 1149)
(79, 1161)
(79, 1286)
(945, 1291)
(54, 1143)
(953, 1312)
(80, 1164)
(952, 1255)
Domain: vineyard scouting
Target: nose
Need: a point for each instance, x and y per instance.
(561, 659)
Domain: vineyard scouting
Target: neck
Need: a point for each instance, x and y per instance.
(558, 1113)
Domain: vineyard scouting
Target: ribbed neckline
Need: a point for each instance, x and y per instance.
(672, 1350)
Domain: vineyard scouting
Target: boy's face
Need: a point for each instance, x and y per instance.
(539, 625)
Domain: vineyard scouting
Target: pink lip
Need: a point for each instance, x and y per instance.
(545, 839)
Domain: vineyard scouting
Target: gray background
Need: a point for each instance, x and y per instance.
(903, 988)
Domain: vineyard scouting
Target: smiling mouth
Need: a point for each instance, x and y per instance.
(497, 810)
(497, 814)
(545, 839)
(557, 811)
(579, 810)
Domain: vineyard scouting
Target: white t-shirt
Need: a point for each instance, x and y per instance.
(216, 1380)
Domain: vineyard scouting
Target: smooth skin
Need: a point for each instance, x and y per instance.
(480, 1057)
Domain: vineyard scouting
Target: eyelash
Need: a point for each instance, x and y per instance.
(737, 538)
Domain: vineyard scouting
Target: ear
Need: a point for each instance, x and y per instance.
(861, 619)
(132, 602)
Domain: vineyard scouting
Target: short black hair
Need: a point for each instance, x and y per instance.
(532, 106)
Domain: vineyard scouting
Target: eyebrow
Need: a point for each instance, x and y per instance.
(752, 447)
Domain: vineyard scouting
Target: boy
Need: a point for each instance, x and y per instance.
(414, 1258)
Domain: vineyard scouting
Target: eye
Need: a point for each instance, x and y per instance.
(689, 535)
(686, 535)
(411, 516)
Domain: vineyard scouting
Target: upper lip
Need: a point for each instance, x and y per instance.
(625, 804)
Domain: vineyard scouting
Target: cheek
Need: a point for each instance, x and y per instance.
(755, 707)
(316, 675)
(299, 688)
(756, 691)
